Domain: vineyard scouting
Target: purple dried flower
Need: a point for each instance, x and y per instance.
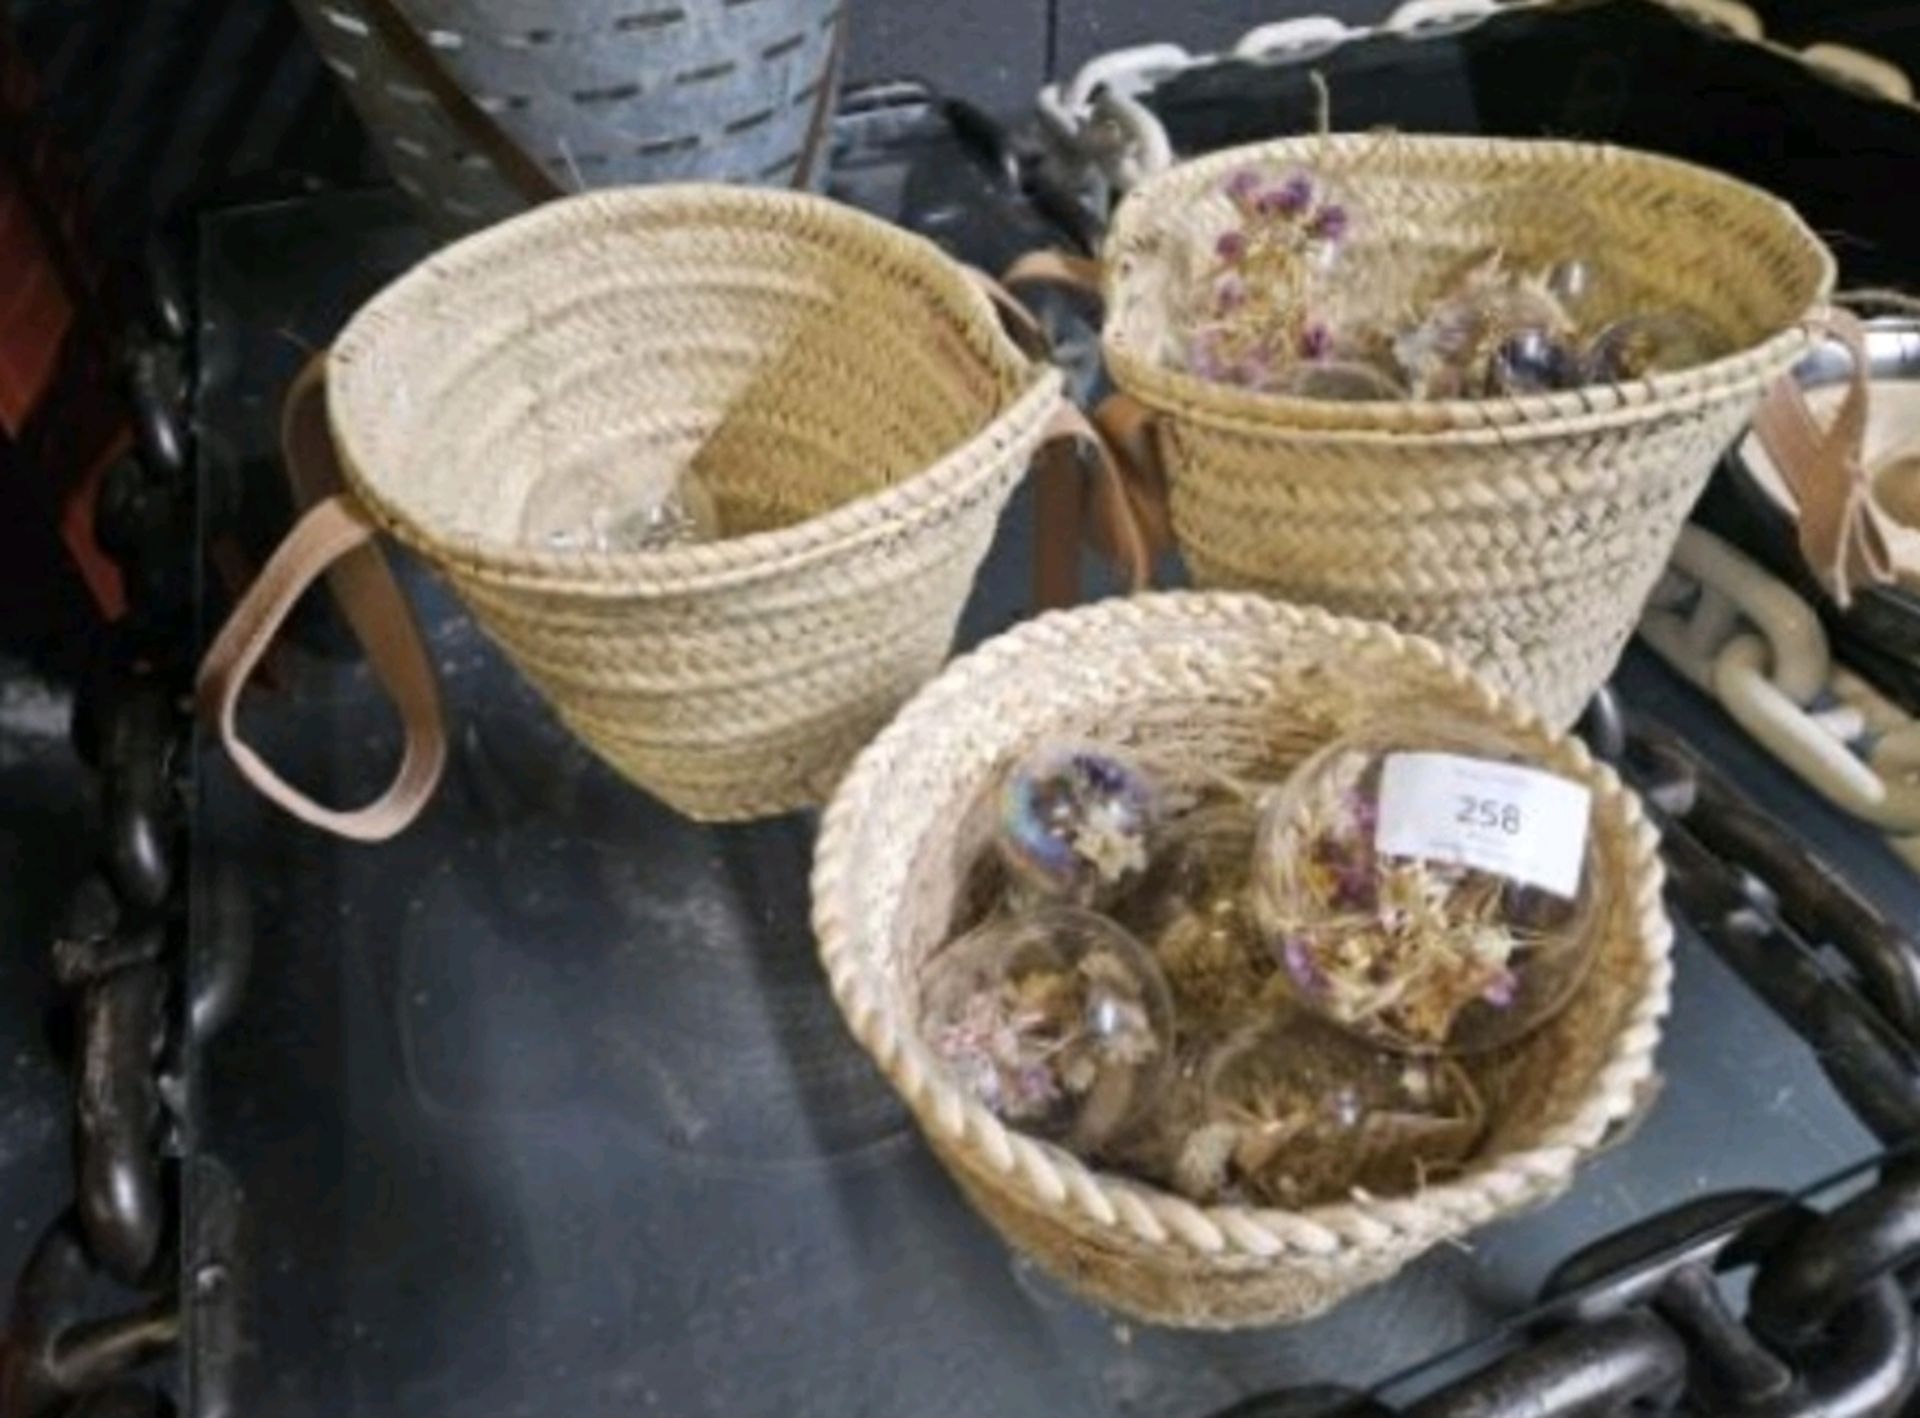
(1330, 222)
(1289, 199)
(1229, 294)
(1316, 341)
(1503, 990)
(1034, 1088)
(1353, 885)
(1363, 811)
(1304, 969)
(1203, 356)
(1241, 184)
(1253, 371)
(1230, 246)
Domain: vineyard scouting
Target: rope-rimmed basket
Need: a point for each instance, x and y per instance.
(1524, 531)
(1211, 683)
(844, 391)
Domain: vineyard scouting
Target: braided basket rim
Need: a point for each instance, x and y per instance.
(1049, 1177)
(1570, 411)
(1030, 391)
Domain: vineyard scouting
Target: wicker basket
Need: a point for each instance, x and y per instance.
(477, 107)
(1526, 532)
(845, 391)
(1211, 682)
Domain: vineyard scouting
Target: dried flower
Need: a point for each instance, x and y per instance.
(1242, 184)
(1400, 949)
(1256, 323)
(1285, 199)
(1297, 1114)
(1074, 821)
(1057, 1020)
(1329, 223)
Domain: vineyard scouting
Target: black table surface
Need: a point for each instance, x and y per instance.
(545, 1107)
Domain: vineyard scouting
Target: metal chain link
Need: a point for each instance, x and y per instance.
(1640, 1321)
(1102, 138)
(120, 948)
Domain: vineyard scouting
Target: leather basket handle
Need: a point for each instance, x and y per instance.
(1841, 535)
(1080, 493)
(337, 538)
(1116, 502)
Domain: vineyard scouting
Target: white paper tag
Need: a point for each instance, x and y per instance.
(1524, 823)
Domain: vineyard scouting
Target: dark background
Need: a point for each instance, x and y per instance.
(170, 100)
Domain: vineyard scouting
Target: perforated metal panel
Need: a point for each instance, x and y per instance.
(613, 91)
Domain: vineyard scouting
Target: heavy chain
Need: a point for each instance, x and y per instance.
(119, 953)
(1102, 138)
(1640, 1321)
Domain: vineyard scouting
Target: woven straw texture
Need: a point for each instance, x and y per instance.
(598, 92)
(844, 390)
(1210, 682)
(1525, 532)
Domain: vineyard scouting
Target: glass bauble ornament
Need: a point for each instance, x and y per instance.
(1075, 822)
(1191, 909)
(1651, 342)
(638, 509)
(1297, 1113)
(1056, 1019)
(1577, 284)
(1532, 361)
(1347, 380)
(1434, 950)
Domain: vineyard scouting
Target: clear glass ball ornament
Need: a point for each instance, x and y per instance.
(1296, 1113)
(1414, 953)
(1532, 361)
(1351, 381)
(1651, 342)
(1191, 909)
(635, 509)
(1577, 284)
(1056, 1019)
(1075, 822)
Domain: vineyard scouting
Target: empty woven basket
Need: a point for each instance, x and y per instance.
(1527, 531)
(1209, 683)
(843, 389)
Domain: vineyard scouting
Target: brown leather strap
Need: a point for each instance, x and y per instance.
(1023, 327)
(1118, 504)
(306, 443)
(1060, 268)
(335, 537)
(1079, 493)
(417, 56)
(1128, 427)
(1840, 532)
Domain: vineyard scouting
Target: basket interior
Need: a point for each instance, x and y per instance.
(1663, 234)
(795, 355)
(1268, 701)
